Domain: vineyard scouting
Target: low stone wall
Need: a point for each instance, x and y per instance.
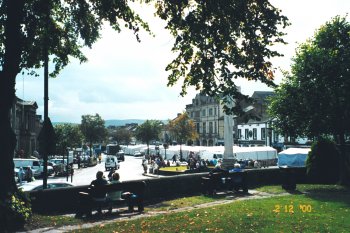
(65, 200)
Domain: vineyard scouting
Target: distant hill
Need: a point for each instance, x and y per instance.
(60, 123)
(114, 122)
(123, 122)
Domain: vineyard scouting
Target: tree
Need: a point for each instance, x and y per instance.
(282, 109)
(149, 131)
(93, 128)
(182, 129)
(68, 135)
(122, 136)
(313, 100)
(220, 41)
(32, 28)
(317, 91)
(216, 42)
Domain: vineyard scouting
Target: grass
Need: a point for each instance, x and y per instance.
(183, 202)
(315, 208)
(322, 209)
(277, 189)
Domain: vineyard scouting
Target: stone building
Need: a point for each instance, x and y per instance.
(26, 125)
(208, 116)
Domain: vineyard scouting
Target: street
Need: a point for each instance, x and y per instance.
(130, 169)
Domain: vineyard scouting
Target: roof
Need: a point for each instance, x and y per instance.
(260, 96)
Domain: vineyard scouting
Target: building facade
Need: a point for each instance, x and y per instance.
(254, 129)
(259, 132)
(208, 117)
(26, 126)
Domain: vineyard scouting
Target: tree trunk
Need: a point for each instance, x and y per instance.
(10, 69)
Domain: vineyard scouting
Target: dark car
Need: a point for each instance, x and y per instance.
(120, 155)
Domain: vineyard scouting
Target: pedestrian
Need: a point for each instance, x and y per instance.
(79, 161)
(110, 174)
(145, 165)
(71, 172)
(29, 174)
(20, 175)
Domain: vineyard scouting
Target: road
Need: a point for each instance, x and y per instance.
(130, 169)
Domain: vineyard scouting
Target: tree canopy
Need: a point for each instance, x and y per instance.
(182, 128)
(314, 99)
(93, 128)
(122, 136)
(68, 135)
(149, 131)
(220, 41)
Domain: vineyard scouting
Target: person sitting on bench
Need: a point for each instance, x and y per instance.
(114, 195)
(98, 195)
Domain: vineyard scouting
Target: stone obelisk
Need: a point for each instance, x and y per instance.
(229, 158)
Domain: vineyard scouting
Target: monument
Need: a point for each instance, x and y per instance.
(229, 158)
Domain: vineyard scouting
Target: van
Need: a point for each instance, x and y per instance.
(111, 163)
(34, 164)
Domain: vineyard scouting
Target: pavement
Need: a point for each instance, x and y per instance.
(121, 214)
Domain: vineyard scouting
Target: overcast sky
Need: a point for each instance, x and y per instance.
(124, 79)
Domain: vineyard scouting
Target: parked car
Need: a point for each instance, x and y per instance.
(111, 162)
(137, 154)
(38, 185)
(120, 155)
(35, 165)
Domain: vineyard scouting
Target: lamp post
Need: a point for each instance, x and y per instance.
(165, 145)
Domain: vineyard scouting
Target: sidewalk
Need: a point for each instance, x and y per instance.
(124, 215)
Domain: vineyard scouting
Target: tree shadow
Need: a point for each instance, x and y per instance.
(329, 194)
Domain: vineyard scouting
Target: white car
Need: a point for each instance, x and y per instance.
(111, 163)
(38, 185)
(137, 154)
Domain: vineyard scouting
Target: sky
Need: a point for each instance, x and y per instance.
(124, 79)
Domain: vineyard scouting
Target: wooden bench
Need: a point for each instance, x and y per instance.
(231, 181)
(87, 203)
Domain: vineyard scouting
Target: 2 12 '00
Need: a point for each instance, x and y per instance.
(290, 208)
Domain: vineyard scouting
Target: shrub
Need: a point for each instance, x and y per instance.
(14, 212)
(322, 163)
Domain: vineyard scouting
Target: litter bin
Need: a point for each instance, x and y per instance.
(288, 175)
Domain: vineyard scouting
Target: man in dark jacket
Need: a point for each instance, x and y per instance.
(98, 195)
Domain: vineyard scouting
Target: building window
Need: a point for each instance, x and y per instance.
(263, 133)
(203, 113)
(210, 127)
(276, 137)
(197, 127)
(215, 111)
(246, 134)
(204, 127)
(254, 133)
(215, 131)
(239, 134)
(210, 111)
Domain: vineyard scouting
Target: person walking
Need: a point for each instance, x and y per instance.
(29, 174)
(145, 165)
